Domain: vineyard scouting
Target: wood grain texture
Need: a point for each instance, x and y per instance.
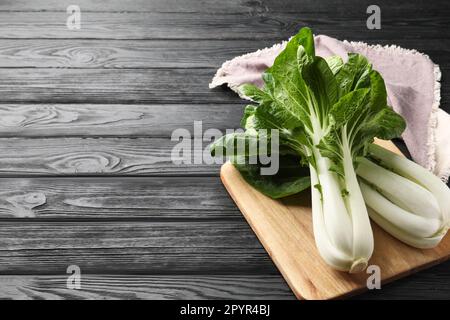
(111, 60)
(113, 86)
(112, 287)
(168, 6)
(164, 287)
(97, 120)
(135, 261)
(117, 86)
(122, 198)
(218, 6)
(285, 229)
(143, 25)
(178, 26)
(250, 287)
(111, 157)
(117, 54)
(138, 247)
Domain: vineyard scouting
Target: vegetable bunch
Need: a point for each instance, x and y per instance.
(327, 113)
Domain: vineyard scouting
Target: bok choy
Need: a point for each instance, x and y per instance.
(404, 198)
(327, 113)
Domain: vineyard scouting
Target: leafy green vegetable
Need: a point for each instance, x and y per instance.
(326, 113)
(290, 178)
(404, 198)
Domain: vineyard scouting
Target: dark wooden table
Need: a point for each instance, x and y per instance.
(86, 118)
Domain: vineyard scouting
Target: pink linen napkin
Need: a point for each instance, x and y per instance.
(412, 82)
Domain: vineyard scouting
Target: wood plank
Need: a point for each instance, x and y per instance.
(105, 157)
(422, 286)
(243, 25)
(117, 54)
(285, 229)
(139, 247)
(188, 6)
(115, 86)
(133, 6)
(164, 287)
(124, 198)
(142, 25)
(119, 86)
(97, 235)
(220, 261)
(218, 6)
(94, 120)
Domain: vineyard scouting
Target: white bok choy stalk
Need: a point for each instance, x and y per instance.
(357, 117)
(405, 199)
(327, 113)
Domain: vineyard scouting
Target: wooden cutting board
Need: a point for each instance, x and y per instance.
(284, 228)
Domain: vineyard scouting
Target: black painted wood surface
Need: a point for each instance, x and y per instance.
(86, 118)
